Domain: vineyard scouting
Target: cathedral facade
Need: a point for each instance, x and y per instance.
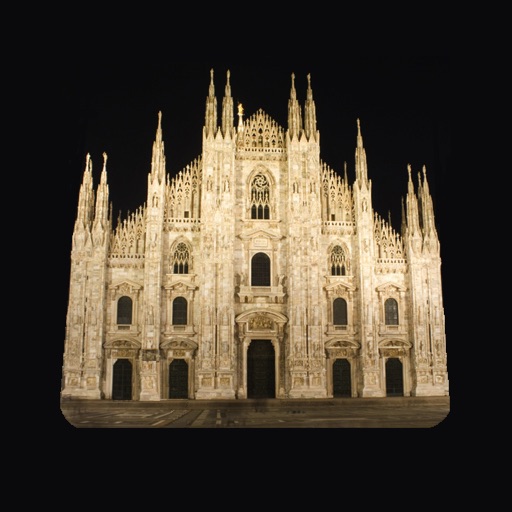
(255, 272)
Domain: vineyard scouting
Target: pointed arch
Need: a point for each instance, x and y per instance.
(181, 257)
(338, 260)
(261, 186)
(260, 197)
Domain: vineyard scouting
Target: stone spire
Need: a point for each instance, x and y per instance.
(294, 113)
(361, 165)
(412, 211)
(85, 198)
(310, 114)
(427, 214)
(210, 123)
(101, 218)
(158, 156)
(227, 110)
(427, 207)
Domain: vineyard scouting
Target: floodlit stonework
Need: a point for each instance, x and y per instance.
(257, 271)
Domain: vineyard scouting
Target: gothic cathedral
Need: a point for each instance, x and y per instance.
(256, 272)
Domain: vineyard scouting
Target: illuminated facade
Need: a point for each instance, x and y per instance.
(256, 271)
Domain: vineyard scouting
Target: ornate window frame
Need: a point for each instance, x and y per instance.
(125, 288)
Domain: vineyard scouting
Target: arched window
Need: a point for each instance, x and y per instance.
(260, 197)
(260, 270)
(181, 259)
(391, 312)
(179, 311)
(339, 312)
(338, 261)
(124, 310)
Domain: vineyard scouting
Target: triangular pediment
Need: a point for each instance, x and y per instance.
(338, 343)
(246, 316)
(179, 343)
(123, 341)
(260, 233)
(394, 343)
(180, 284)
(340, 286)
(126, 285)
(390, 287)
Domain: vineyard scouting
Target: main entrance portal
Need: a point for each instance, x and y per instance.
(261, 370)
(178, 379)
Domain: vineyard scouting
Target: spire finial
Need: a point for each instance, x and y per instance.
(240, 117)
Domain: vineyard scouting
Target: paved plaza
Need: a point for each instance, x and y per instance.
(390, 412)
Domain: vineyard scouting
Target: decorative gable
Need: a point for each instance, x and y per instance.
(261, 132)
